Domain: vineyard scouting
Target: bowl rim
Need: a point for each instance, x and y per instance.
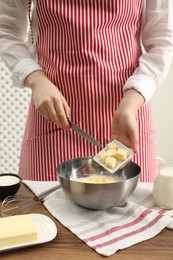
(11, 174)
(91, 157)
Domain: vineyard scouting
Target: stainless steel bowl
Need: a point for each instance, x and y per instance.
(92, 195)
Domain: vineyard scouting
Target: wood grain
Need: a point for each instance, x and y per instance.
(67, 246)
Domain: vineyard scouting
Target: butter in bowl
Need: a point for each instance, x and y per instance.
(114, 156)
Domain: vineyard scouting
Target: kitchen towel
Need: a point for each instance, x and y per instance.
(107, 231)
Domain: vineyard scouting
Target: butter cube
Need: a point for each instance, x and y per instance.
(112, 152)
(17, 230)
(110, 162)
(98, 180)
(102, 156)
(121, 154)
(111, 145)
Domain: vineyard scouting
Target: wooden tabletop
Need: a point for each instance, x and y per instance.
(67, 246)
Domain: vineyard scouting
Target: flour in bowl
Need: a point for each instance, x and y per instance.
(7, 180)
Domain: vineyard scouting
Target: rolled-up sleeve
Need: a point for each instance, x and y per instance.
(157, 40)
(13, 48)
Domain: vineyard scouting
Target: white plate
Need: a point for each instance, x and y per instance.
(46, 231)
(119, 163)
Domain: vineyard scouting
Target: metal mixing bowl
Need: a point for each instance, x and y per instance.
(92, 195)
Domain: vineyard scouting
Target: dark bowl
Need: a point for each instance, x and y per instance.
(10, 188)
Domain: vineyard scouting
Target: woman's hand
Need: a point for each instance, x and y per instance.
(48, 99)
(124, 125)
(125, 128)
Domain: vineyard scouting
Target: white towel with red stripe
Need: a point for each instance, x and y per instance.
(107, 231)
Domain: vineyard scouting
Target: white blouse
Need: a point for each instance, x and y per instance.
(156, 38)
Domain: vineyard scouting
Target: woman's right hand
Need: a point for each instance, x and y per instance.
(48, 100)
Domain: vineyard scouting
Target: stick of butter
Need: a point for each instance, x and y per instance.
(111, 145)
(121, 154)
(110, 162)
(112, 152)
(102, 156)
(17, 230)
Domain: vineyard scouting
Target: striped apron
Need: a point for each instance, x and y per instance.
(88, 49)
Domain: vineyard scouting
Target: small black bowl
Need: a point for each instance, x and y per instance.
(10, 188)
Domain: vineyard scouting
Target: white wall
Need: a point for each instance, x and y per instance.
(13, 111)
(163, 116)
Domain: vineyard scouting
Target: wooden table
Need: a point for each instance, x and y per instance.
(67, 246)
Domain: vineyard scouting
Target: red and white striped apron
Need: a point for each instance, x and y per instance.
(88, 49)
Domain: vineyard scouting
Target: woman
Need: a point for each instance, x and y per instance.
(84, 60)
